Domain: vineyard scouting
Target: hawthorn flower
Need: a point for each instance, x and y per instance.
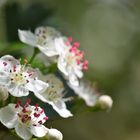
(27, 120)
(19, 79)
(54, 95)
(71, 60)
(86, 91)
(43, 38)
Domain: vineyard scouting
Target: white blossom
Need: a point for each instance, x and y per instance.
(86, 91)
(54, 95)
(70, 61)
(19, 79)
(43, 38)
(27, 120)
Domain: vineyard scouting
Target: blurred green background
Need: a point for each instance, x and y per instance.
(109, 32)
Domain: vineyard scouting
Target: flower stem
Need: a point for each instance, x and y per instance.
(36, 51)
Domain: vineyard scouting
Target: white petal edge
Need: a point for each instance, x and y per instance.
(9, 60)
(36, 86)
(4, 79)
(8, 116)
(18, 90)
(73, 80)
(60, 107)
(39, 131)
(27, 37)
(23, 131)
(86, 92)
(61, 64)
(47, 51)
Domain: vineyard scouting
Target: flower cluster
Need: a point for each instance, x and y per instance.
(19, 79)
(50, 42)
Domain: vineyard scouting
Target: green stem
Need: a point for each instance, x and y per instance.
(36, 51)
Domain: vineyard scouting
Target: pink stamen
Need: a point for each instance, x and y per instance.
(67, 43)
(14, 68)
(76, 44)
(42, 111)
(40, 122)
(78, 62)
(24, 110)
(36, 107)
(85, 65)
(73, 50)
(30, 74)
(34, 125)
(28, 100)
(70, 39)
(18, 104)
(4, 63)
(36, 115)
(80, 54)
(45, 118)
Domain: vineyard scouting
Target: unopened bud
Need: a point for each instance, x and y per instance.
(54, 134)
(105, 102)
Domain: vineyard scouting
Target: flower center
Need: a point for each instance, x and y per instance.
(17, 75)
(41, 34)
(70, 59)
(74, 55)
(30, 115)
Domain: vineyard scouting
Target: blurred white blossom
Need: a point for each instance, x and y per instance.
(19, 79)
(44, 39)
(27, 120)
(87, 91)
(54, 95)
(71, 60)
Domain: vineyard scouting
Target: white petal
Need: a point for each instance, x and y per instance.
(8, 116)
(36, 86)
(17, 90)
(54, 134)
(78, 72)
(60, 44)
(27, 37)
(86, 91)
(61, 64)
(89, 99)
(60, 107)
(39, 131)
(7, 62)
(40, 96)
(73, 80)
(4, 78)
(48, 50)
(23, 131)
